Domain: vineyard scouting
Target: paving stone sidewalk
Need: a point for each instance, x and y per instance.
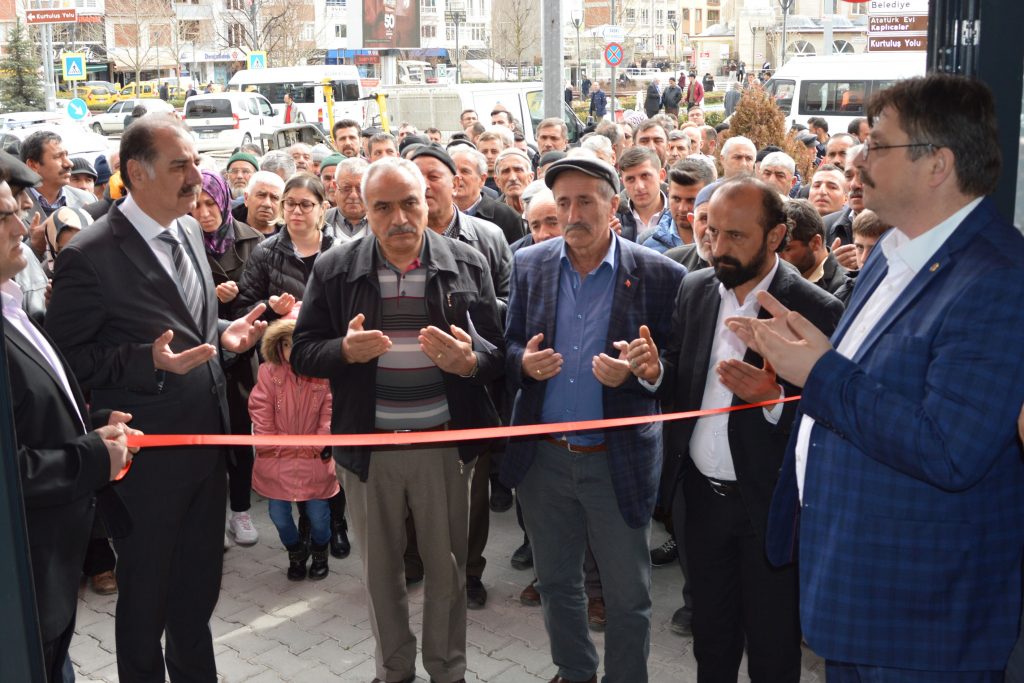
(270, 630)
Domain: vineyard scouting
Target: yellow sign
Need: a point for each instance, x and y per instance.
(257, 60)
(74, 66)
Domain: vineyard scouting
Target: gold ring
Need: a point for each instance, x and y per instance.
(439, 356)
(538, 373)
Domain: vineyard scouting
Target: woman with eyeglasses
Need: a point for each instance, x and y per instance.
(229, 243)
(277, 274)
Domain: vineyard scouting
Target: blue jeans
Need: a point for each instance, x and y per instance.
(319, 512)
(840, 672)
(568, 499)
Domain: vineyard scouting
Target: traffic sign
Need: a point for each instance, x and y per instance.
(78, 109)
(614, 34)
(613, 54)
(257, 60)
(74, 66)
(51, 16)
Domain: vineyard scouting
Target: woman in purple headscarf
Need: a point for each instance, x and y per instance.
(229, 243)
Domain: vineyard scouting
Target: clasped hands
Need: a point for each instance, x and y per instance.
(449, 352)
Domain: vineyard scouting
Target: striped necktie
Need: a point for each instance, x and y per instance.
(187, 277)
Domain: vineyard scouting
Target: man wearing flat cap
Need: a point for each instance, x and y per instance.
(575, 302)
(32, 279)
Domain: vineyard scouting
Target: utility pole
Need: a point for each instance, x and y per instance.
(786, 5)
(577, 22)
(612, 17)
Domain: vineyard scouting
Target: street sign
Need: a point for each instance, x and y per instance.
(614, 34)
(442, 72)
(912, 23)
(74, 66)
(898, 7)
(613, 54)
(899, 43)
(78, 109)
(257, 60)
(51, 16)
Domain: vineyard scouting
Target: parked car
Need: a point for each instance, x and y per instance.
(224, 121)
(98, 95)
(112, 120)
(77, 141)
(144, 90)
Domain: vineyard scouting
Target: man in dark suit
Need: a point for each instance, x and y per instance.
(695, 256)
(806, 247)
(574, 302)
(721, 469)
(904, 480)
(134, 310)
(62, 464)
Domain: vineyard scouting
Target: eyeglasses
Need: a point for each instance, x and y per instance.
(867, 148)
(303, 207)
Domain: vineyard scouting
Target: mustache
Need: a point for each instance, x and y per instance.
(727, 261)
(191, 189)
(575, 226)
(401, 230)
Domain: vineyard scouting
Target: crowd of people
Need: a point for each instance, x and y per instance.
(396, 284)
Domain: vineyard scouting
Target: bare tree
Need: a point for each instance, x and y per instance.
(277, 27)
(516, 29)
(141, 28)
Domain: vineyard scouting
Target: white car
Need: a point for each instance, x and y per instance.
(78, 141)
(112, 120)
(226, 120)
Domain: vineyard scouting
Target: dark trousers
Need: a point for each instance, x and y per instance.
(169, 578)
(737, 595)
(55, 654)
(676, 523)
(479, 523)
(99, 557)
(240, 478)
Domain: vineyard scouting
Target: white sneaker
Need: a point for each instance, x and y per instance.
(242, 529)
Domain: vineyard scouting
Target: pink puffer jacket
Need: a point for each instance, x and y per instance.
(284, 403)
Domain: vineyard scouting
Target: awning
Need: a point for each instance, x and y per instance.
(153, 58)
(337, 56)
(425, 52)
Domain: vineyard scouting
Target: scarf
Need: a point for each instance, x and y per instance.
(221, 239)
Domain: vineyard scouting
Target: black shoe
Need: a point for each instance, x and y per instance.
(522, 558)
(298, 553)
(476, 594)
(318, 568)
(501, 498)
(666, 553)
(682, 622)
(305, 528)
(340, 545)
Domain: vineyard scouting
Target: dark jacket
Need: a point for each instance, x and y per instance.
(839, 224)
(834, 277)
(598, 103)
(273, 269)
(241, 214)
(672, 96)
(688, 256)
(231, 264)
(486, 238)
(502, 215)
(652, 103)
(344, 284)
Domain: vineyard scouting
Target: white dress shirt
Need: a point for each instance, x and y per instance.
(15, 316)
(150, 231)
(906, 257)
(655, 219)
(709, 444)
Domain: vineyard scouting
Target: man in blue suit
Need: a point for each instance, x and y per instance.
(904, 480)
(575, 302)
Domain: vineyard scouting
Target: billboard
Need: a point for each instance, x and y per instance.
(391, 24)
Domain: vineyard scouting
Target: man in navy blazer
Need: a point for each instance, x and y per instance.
(574, 304)
(904, 479)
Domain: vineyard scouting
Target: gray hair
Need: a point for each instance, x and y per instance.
(737, 140)
(320, 152)
(266, 177)
(385, 164)
(542, 194)
(598, 143)
(511, 152)
(506, 135)
(300, 147)
(354, 165)
(779, 160)
(477, 156)
(531, 191)
(278, 159)
(555, 122)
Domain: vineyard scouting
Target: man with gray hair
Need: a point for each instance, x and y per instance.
(386, 319)
(260, 211)
(347, 221)
(513, 172)
(552, 135)
(738, 154)
(470, 176)
(778, 170)
(302, 154)
(382, 145)
(600, 146)
(279, 162)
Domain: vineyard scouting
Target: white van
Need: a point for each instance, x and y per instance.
(837, 87)
(441, 105)
(305, 84)
(226, 120)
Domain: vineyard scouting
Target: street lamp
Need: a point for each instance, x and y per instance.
(786, 5)
(577, 22)
(456, 17)
(675, 43)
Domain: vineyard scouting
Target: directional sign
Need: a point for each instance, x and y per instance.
(614, 34)
(613, 54)
(257, 60)
(78, 109)
(74, 66)
(51, 16)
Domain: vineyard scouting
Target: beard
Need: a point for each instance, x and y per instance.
(732, 273)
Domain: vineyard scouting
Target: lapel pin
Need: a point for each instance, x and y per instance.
(628, 283)
(935, 266)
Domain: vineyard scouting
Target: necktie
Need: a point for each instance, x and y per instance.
(187, 277)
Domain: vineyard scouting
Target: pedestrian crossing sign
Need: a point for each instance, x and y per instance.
(74, 66)
(257, 60)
